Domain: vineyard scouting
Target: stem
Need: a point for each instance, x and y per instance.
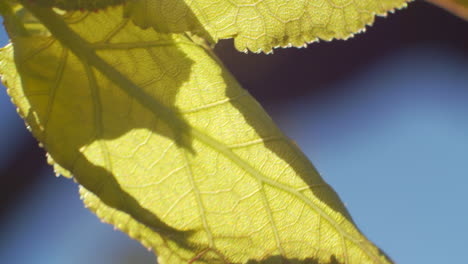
(9, 17)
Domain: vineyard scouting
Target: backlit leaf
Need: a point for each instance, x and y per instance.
(171, 149)
(261, 25)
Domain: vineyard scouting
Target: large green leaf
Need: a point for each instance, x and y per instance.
(171, 149)
(261, 25)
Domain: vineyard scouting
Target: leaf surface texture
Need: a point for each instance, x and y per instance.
(169, 148)
(260, 25)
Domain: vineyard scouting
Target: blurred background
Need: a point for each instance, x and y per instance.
(383, 116)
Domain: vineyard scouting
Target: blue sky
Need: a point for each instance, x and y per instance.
(394, 146)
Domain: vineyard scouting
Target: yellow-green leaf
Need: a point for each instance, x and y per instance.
(262, 25)
(171, 149)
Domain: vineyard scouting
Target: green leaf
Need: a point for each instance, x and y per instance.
(168, 147)
(261, 25)
(255, 25)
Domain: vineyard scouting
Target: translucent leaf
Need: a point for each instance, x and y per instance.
(261, 25)
(171, 149)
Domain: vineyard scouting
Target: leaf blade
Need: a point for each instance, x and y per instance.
(221, 185)
(262, 25)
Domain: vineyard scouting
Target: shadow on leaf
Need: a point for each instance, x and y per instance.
(74, 107)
